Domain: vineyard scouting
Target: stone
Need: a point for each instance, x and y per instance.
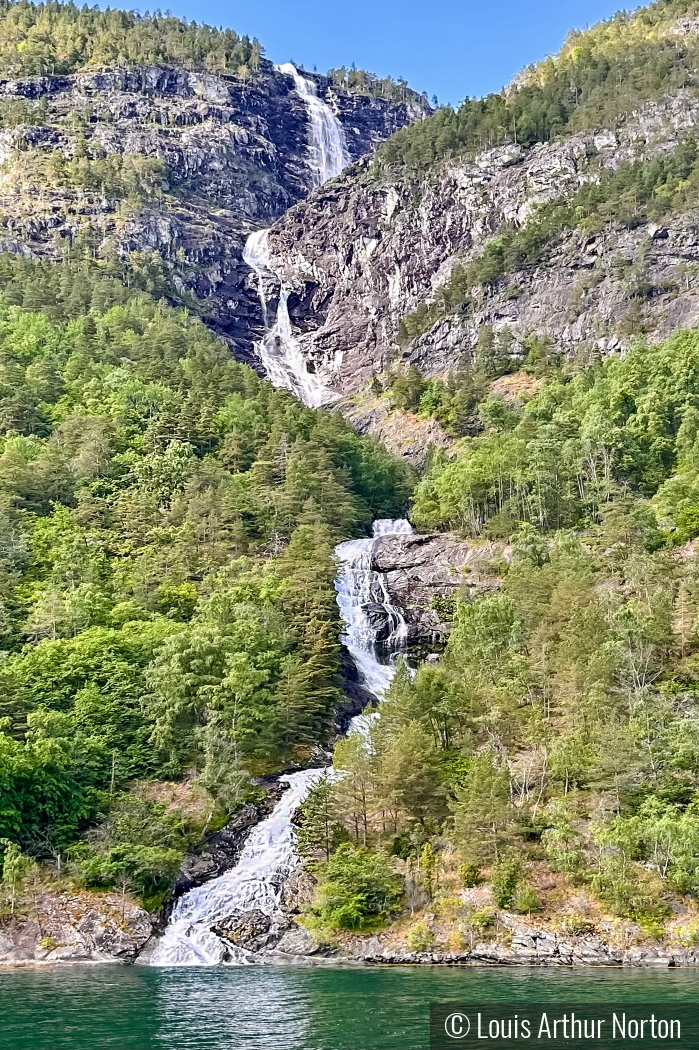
(363, 251)
(220, 850)
(297, 941)
(419, 568)
(253, 931)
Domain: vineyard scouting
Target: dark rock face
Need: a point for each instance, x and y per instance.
(237, 158)
(221, 849)
(419, 568)
(357, 696)
(362, 252)
(379, 620)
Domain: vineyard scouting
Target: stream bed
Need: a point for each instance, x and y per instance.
(284, 1007)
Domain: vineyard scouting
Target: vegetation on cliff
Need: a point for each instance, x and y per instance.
(633, 194)
(600, 75)
(166, 580)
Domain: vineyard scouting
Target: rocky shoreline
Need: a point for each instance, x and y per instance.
(530, 946)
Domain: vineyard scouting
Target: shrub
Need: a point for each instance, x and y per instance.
(576, 925)
(359, 892)
(506, 877)
(470, 875)
(482, 919)
(526, 899)
(688, 935)
(447, 907)
(618, 889)
(420, 937)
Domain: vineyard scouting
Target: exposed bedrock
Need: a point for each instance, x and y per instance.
(237, 158)
(421, 569)
(363, 251)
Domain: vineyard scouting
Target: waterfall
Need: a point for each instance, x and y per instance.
(328, 150)
(255, 883)
(279, 350)
(360, 591)
(269, 856)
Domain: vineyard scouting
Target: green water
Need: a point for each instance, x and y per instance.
(284, 1008)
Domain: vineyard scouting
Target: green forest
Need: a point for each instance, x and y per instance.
(169, 631)
(51, 38)
(39, 39)
(166, 579)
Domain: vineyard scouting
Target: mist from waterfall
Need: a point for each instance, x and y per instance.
(279, 350)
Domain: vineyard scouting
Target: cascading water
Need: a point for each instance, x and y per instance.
(269, 855)
(328, 150)
(359, 588)
(256, 882)
(279, 350)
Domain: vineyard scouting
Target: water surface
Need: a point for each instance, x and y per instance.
(284, 1007)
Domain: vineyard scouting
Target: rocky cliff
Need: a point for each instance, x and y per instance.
(162, 159)
(421, 571)
(368, 248)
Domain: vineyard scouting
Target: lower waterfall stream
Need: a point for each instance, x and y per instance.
(269, 856)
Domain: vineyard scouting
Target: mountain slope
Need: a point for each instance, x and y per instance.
(123, 135)
(580, 234)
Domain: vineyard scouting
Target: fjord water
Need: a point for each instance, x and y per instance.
(285, 1007)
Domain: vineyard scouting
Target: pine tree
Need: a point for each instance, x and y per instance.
(320, 827)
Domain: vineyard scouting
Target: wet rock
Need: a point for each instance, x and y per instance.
(420, 568)
(379, 620)
(253, 931)
(357, 695)
(298, 891)
(221, 849)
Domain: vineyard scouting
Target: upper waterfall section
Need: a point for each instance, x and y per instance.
(279, 350)
(238, 156)
(328, 146)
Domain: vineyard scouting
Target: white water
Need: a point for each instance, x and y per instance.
(328, 150)
(269, 855)
(357, 586)
(279, 350)
(255, 883)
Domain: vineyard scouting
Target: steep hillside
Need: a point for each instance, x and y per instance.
(577, 233)
(158, 148)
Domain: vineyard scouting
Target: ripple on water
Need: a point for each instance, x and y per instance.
(283, 1008)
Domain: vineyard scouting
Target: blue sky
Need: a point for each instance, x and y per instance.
(451, 48)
